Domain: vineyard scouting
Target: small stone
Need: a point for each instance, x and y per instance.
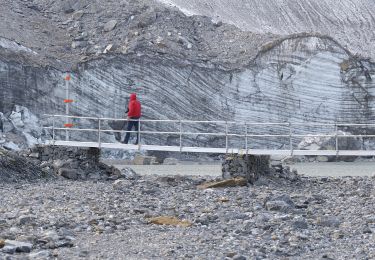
(241, 257)
(108, 48)
(280, 203)
(329, 221)
(338, 235)
(9, 250)
(109, 26)
(44, 254)
(83, 253)
(129, 174)
(78, 15)
(120, 184)
(224, 199)
(278, 206)
(20, 247)
(79, 44)
(67, 7)
(322, 159)
(24, 220)
(367, 230)
(34, 155)
(300, 224)
(144, 160)
(50, 236)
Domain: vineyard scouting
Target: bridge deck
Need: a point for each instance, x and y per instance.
(213, 150)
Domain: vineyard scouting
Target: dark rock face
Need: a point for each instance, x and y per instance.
(247, 166)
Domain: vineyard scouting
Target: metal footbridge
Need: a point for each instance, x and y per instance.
(96, 135)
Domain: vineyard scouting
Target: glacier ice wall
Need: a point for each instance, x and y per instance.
(298, 80)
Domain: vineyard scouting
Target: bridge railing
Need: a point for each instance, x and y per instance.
(183, 124)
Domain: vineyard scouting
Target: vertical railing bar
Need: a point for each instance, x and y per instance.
(246, 139)
(180, 136)
(53, 129)
(99, 134)
(226, 136)
(139, 135)
(290, 139)
(337, 139)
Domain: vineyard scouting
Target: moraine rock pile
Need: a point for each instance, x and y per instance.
(169, 217)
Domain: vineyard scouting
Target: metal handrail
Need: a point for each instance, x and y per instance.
(289, 126)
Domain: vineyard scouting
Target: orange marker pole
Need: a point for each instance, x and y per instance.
(67, 125)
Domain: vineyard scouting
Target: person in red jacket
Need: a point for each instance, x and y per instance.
(134, 113)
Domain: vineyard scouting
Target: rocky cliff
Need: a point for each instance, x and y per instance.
(182, 67)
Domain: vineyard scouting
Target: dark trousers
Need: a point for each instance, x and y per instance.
(132, 124)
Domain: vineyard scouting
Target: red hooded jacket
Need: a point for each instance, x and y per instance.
(134, 107)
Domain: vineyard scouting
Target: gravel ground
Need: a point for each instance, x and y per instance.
(312, 218)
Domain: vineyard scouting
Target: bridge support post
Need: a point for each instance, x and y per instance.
(247, 166)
